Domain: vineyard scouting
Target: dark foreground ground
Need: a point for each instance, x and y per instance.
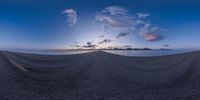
(99, 76)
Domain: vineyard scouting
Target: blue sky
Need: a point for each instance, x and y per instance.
(63, 24)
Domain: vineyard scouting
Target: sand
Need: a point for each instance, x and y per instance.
(99, 76)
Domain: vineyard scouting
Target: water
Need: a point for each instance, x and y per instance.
(146, 53)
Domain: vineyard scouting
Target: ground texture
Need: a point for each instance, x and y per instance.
(99, 76)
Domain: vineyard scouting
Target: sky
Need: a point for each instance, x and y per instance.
(75, 24)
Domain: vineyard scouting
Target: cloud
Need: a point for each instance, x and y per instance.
(166, 45)
(122, 34)
(143, 15)
(71, 15)
(152, 37)
(109, 21)
(140, 22)
(75, 44)
(115, 10)
(105, 41)
(115, 17)
(102, 36)
(128, 46)
(90, 45)
(150, 33)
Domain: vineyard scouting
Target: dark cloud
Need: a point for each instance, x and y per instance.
(122, 34)
(90, 45)
(75, 44)
(128, 46)
(105, 41)
(101, 36)
(166, 45)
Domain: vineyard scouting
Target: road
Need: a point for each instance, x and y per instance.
(98, 76)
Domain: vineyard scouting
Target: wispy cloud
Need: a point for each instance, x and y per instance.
(115, 10)
(109, 21)
(122, 34)
(115, 17)
(143, 15)
(71, 15)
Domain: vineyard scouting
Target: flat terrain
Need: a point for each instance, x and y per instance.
(99, 76)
